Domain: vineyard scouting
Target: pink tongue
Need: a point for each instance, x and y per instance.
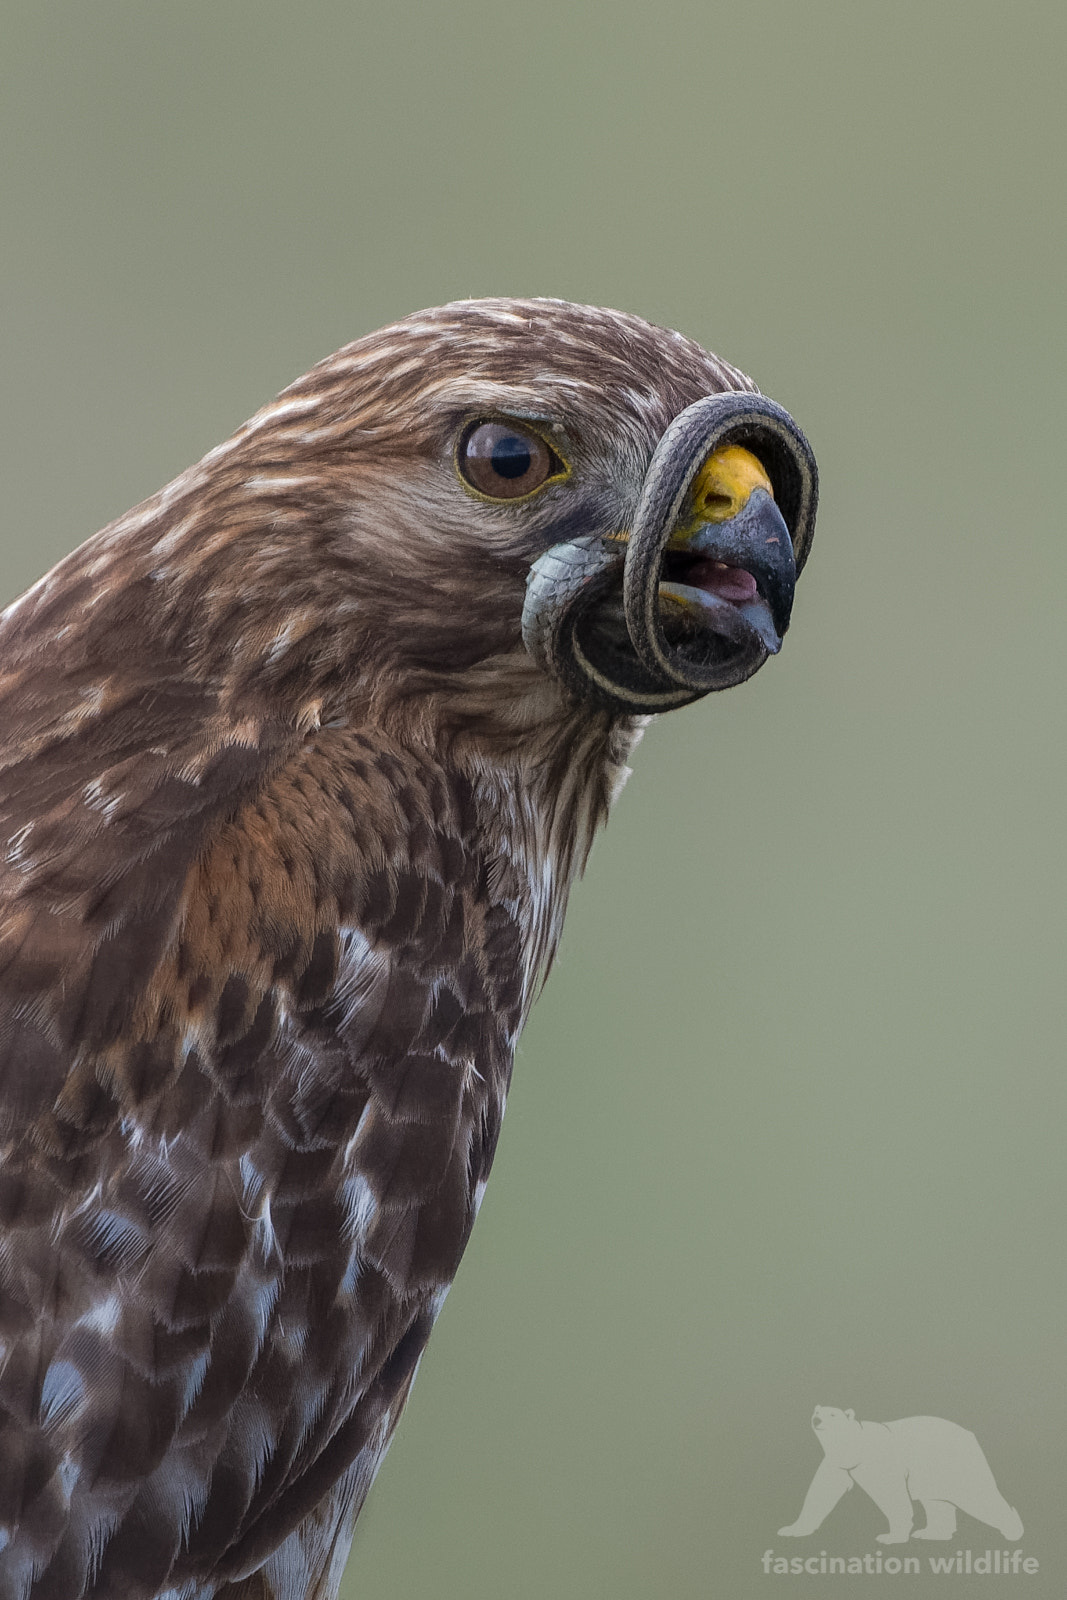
(715, 577)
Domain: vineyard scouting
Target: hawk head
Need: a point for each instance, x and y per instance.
(495, 510)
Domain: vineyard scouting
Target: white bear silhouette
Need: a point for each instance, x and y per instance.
(918, 1458)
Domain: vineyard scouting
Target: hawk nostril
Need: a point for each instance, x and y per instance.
(717, 507)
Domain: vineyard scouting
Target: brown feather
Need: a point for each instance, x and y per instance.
(291, 819)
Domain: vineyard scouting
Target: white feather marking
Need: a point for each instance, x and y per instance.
(265, 484)
(194, 1381)
(352, 1274)
(104, 1316)
(16, 854)
(361, 1206)
(471, 1075)
(314, 435)
(169, 543)
(365, 1117)
(97, 798)
(88, 1202)
(295, 405)
(359, 969)
(252, 1181)
(265, 1236)
(262, 1304)
(62, 1393)
(132, 1133)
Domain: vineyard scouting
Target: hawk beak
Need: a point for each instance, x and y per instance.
(708, 568)
(756, 542)
(728, 570)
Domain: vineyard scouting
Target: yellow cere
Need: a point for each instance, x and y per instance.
(720, 490)
(725, 482)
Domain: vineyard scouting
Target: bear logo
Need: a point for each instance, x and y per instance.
(918, 1458)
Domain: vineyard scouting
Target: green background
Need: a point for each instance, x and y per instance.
(787, 1127)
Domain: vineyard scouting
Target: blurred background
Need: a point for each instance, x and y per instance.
(787, 1127)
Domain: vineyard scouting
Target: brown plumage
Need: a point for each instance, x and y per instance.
(290, 815)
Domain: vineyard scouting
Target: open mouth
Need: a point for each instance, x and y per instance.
(716, 578)
(707, 608)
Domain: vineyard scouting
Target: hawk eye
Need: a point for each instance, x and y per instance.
(505, 460)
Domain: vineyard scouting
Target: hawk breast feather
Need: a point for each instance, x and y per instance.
(290, 814)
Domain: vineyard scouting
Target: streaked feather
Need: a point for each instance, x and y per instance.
(290, 822)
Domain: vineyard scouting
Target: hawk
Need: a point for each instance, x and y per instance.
(298, 762)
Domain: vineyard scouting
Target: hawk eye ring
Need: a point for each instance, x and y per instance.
(505, 460)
